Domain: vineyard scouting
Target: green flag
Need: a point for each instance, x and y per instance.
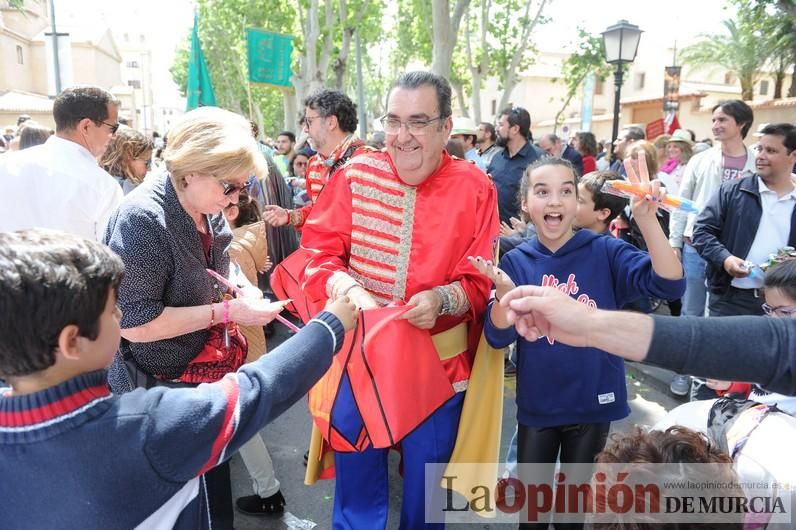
(269, 57)
(200, 89)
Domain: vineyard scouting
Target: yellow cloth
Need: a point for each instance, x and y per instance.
(478, 438)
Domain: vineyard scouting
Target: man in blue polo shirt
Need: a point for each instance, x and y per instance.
(507, 166)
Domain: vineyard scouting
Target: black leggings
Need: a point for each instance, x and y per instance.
(578, 444)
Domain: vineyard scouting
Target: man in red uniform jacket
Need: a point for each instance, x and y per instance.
(398, 225)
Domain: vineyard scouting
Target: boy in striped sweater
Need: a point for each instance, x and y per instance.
(98, 460)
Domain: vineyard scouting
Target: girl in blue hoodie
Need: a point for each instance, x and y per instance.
(567, 396)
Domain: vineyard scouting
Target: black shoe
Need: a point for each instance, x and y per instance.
(256, 505)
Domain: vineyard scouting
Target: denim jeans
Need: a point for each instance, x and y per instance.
(695, 297)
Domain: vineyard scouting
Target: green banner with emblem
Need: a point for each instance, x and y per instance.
(269, 57)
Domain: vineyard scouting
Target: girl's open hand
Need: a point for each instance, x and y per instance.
(646, 208)
(503, 284)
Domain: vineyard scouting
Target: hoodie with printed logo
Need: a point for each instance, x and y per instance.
(559, 384)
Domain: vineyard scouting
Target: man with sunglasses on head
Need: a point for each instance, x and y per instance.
(59, 184)
(506, 168)
(397, 226)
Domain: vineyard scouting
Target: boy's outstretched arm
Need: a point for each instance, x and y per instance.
(193, 430)
(664, 259)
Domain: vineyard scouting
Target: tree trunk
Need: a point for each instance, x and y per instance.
(289, 103)
(779, 81)
(442, 48)
(445, 29)
(340, 64)
(475, 99)
(747, 89)
(459, 89)
(477, 71)
(792, 89)
(779, 77)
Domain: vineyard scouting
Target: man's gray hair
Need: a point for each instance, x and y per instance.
(415, 80)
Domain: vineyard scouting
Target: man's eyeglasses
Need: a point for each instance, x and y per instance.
(779, 311)
(306, 121)
(415, 127)
(229, 189)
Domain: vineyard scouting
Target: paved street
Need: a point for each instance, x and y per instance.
(311, 507)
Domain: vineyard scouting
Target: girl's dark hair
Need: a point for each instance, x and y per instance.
(782, 276)
(525, 183)
(50, 280)
(248, 210)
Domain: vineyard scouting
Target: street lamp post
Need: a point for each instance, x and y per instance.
(620, 43)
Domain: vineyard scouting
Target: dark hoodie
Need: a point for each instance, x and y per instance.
(563, 385)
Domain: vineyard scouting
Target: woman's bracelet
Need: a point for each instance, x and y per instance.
(212, 315)
(226, 312)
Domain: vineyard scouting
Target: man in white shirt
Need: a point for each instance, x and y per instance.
(59, 185)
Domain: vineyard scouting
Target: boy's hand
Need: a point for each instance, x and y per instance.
(644, 210)
(345, 311)
(361, 298)
(503, 284)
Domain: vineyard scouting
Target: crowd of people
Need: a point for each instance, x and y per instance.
(439, 257)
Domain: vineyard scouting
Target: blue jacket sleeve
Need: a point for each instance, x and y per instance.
(707, 230)
(634, 276)
(497, 337)
(191, 430)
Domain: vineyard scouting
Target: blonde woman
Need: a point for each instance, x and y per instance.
(179, 325)
(128, 157)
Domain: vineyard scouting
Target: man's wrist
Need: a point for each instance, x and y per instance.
(453, 299)
(595, 324)
(443, 301)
